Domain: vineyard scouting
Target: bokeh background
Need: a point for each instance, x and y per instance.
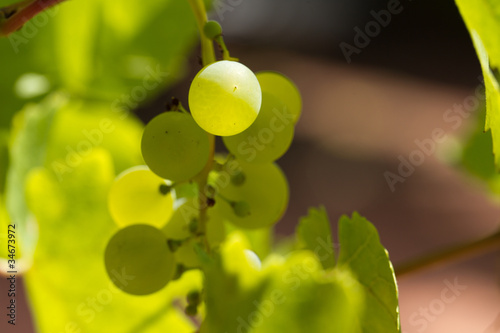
(359, 117)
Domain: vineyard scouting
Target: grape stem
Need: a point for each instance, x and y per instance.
(13, 17)
(461, 251)
(207, 45)
(207, 57)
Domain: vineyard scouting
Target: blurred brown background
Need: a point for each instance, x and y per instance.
(357, 119)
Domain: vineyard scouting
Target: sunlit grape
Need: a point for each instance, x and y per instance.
(139, 196)
(225, 98)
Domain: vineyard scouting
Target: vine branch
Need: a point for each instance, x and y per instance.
(461, 251)
(207, 57)
(207, 45)
(13, 17)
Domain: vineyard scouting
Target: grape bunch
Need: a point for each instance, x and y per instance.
(182, 200)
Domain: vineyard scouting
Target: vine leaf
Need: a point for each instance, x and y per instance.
(482, 19)
(363, 254)
(27, 151)
(314, 233)
(296, 293)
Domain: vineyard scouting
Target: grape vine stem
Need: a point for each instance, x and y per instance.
(446, 256)
(13, 17)
(207, 57)
(207, 45)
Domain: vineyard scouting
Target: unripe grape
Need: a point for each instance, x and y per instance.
(141, 252)
(225, 98)
(257, 203)
(283, 89)
(241, 208)
(268, 138)
(174, 146)
(212, 29)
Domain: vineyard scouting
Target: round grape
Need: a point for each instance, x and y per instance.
(284, 90)
(225, 98)
(260, 201)
(212, 29)
(138, 196)
(268, 138)
(141, 252)
(174, 146)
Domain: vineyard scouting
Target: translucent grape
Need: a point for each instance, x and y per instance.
(268, 138)
(138, 259)
(174, 146)
(225, 98)
(136, 197)
(284, 90)
(265, 191)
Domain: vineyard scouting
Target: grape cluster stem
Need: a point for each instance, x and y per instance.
(207, 57)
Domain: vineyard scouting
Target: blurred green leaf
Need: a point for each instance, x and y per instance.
(231, 286)
(362, 253)
(27, 151)
(121, 51)
(483, 20)
(68, 275)
(4, 158)
(296, 294)
(314, 233)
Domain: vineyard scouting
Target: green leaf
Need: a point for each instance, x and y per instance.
(27, 151)
(122, 51)
(314, 233)
(482, 19)
(295, 293)
(232, 283)
(362, 253)
(477, 154)
(4, 158)
(68, 275)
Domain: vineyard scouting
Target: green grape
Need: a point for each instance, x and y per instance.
(265, 191)
(212, 29)
(141, 253)
(284, 90)
(268, 138)
(225, 98)
(139, 196)
(174, 146)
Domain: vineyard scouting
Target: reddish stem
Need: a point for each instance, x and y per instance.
(24, 14)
